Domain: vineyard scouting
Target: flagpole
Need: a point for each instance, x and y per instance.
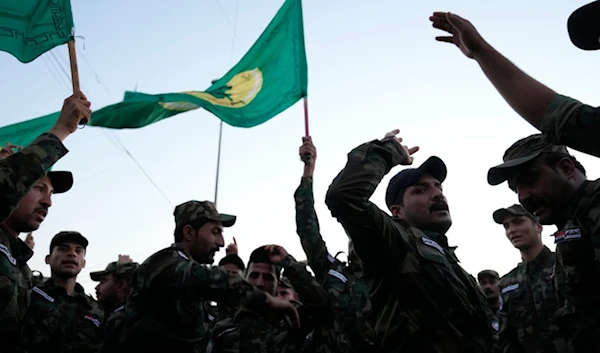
(74, 70)
(218, 161)
(306, 131)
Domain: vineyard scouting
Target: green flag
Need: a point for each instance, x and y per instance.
(29, 28)
(270, 78)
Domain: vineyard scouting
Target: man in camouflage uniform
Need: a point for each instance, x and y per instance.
(112, 293)
(346, 284)
(423, 301)
(25, 196)
(488, 282)
(167, 306)
(61, 317)
(529, 299)
(247, 331)
(561, 119)
(551, 185)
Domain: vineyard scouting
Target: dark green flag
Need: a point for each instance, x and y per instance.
(29, 28)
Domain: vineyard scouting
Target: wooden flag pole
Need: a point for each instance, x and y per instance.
(306, 131)
(74, 70)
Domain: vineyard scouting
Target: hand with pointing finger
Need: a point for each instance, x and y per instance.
(232, 248)
(407, 158)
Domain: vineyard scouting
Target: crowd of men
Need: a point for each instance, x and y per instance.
(402, 288)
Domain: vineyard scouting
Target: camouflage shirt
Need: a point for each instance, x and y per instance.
(21, 170)
(421, 299)
(57, 322)
(248, 331)
(577, 272)
(108, 338)
(348, 289)
(529, 305)
(167, 305)
(572, 123)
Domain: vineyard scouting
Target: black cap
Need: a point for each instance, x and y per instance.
(584, 26)
(68, 237)
(408, 177)
(61, 181)
(514, 210)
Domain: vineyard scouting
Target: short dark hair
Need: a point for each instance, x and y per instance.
(553, 158)
(261, 256)
(233, 259)
(196, 224)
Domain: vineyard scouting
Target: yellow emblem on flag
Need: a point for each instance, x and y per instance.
(237, 93)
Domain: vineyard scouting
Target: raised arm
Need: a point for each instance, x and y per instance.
(307, 223)
(374, 234)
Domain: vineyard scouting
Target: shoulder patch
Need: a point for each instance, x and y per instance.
(183, 255)
(43, 294)
(510, 288)
(93, 319)
(338, 275)
(433, 244)
(5, 251)
(330, 258)
(566, 235)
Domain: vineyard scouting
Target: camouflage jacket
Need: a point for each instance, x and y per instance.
(348, 288)
(167, 305)
(248, 331)
(577, 271)
(56, 322)
(15, 288)
(422, 300)
(572, 123)
(21, 170)
(529, 305)
(110, 331)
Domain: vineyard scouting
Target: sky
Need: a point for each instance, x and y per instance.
(373, 67)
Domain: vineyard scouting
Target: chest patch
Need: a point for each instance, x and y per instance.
(338, 275)
(433, 244)
(92, 319)
(6, 252)
(43, 294)
(510, 288)
(566, 235)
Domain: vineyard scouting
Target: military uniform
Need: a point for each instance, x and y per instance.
(57, 322)
(347, 286)
(167, 305)
(577, 269)
(423, 301)
(110, 332)
(570, 122)
(18, 173)
(529, 305)
(248, 331)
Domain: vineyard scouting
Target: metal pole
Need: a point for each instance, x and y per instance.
(218, 161)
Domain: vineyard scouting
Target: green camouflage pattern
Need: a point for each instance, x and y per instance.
(108, 338)
(529, 305)
(56, 322)
(577, 271)
(21, 170)
(422, 300)
(347, 287)
(194, 210)
(16, 281)
(124, 270)
(569, 122)
(167, 305)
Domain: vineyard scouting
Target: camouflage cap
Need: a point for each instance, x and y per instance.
(514, 210)
(61, 181)
(68, 237)
(487, 273)
(193, 210)
(584, 26)
(521, 152)
(122, 269)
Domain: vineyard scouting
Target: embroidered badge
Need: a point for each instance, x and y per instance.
(183, 255)
(433, 244)
(566, 235)
(93, 319)
(43, 294)
(510, 288)
(5, 251)
(338, 275)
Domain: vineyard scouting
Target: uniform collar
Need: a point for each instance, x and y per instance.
(539, 260)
